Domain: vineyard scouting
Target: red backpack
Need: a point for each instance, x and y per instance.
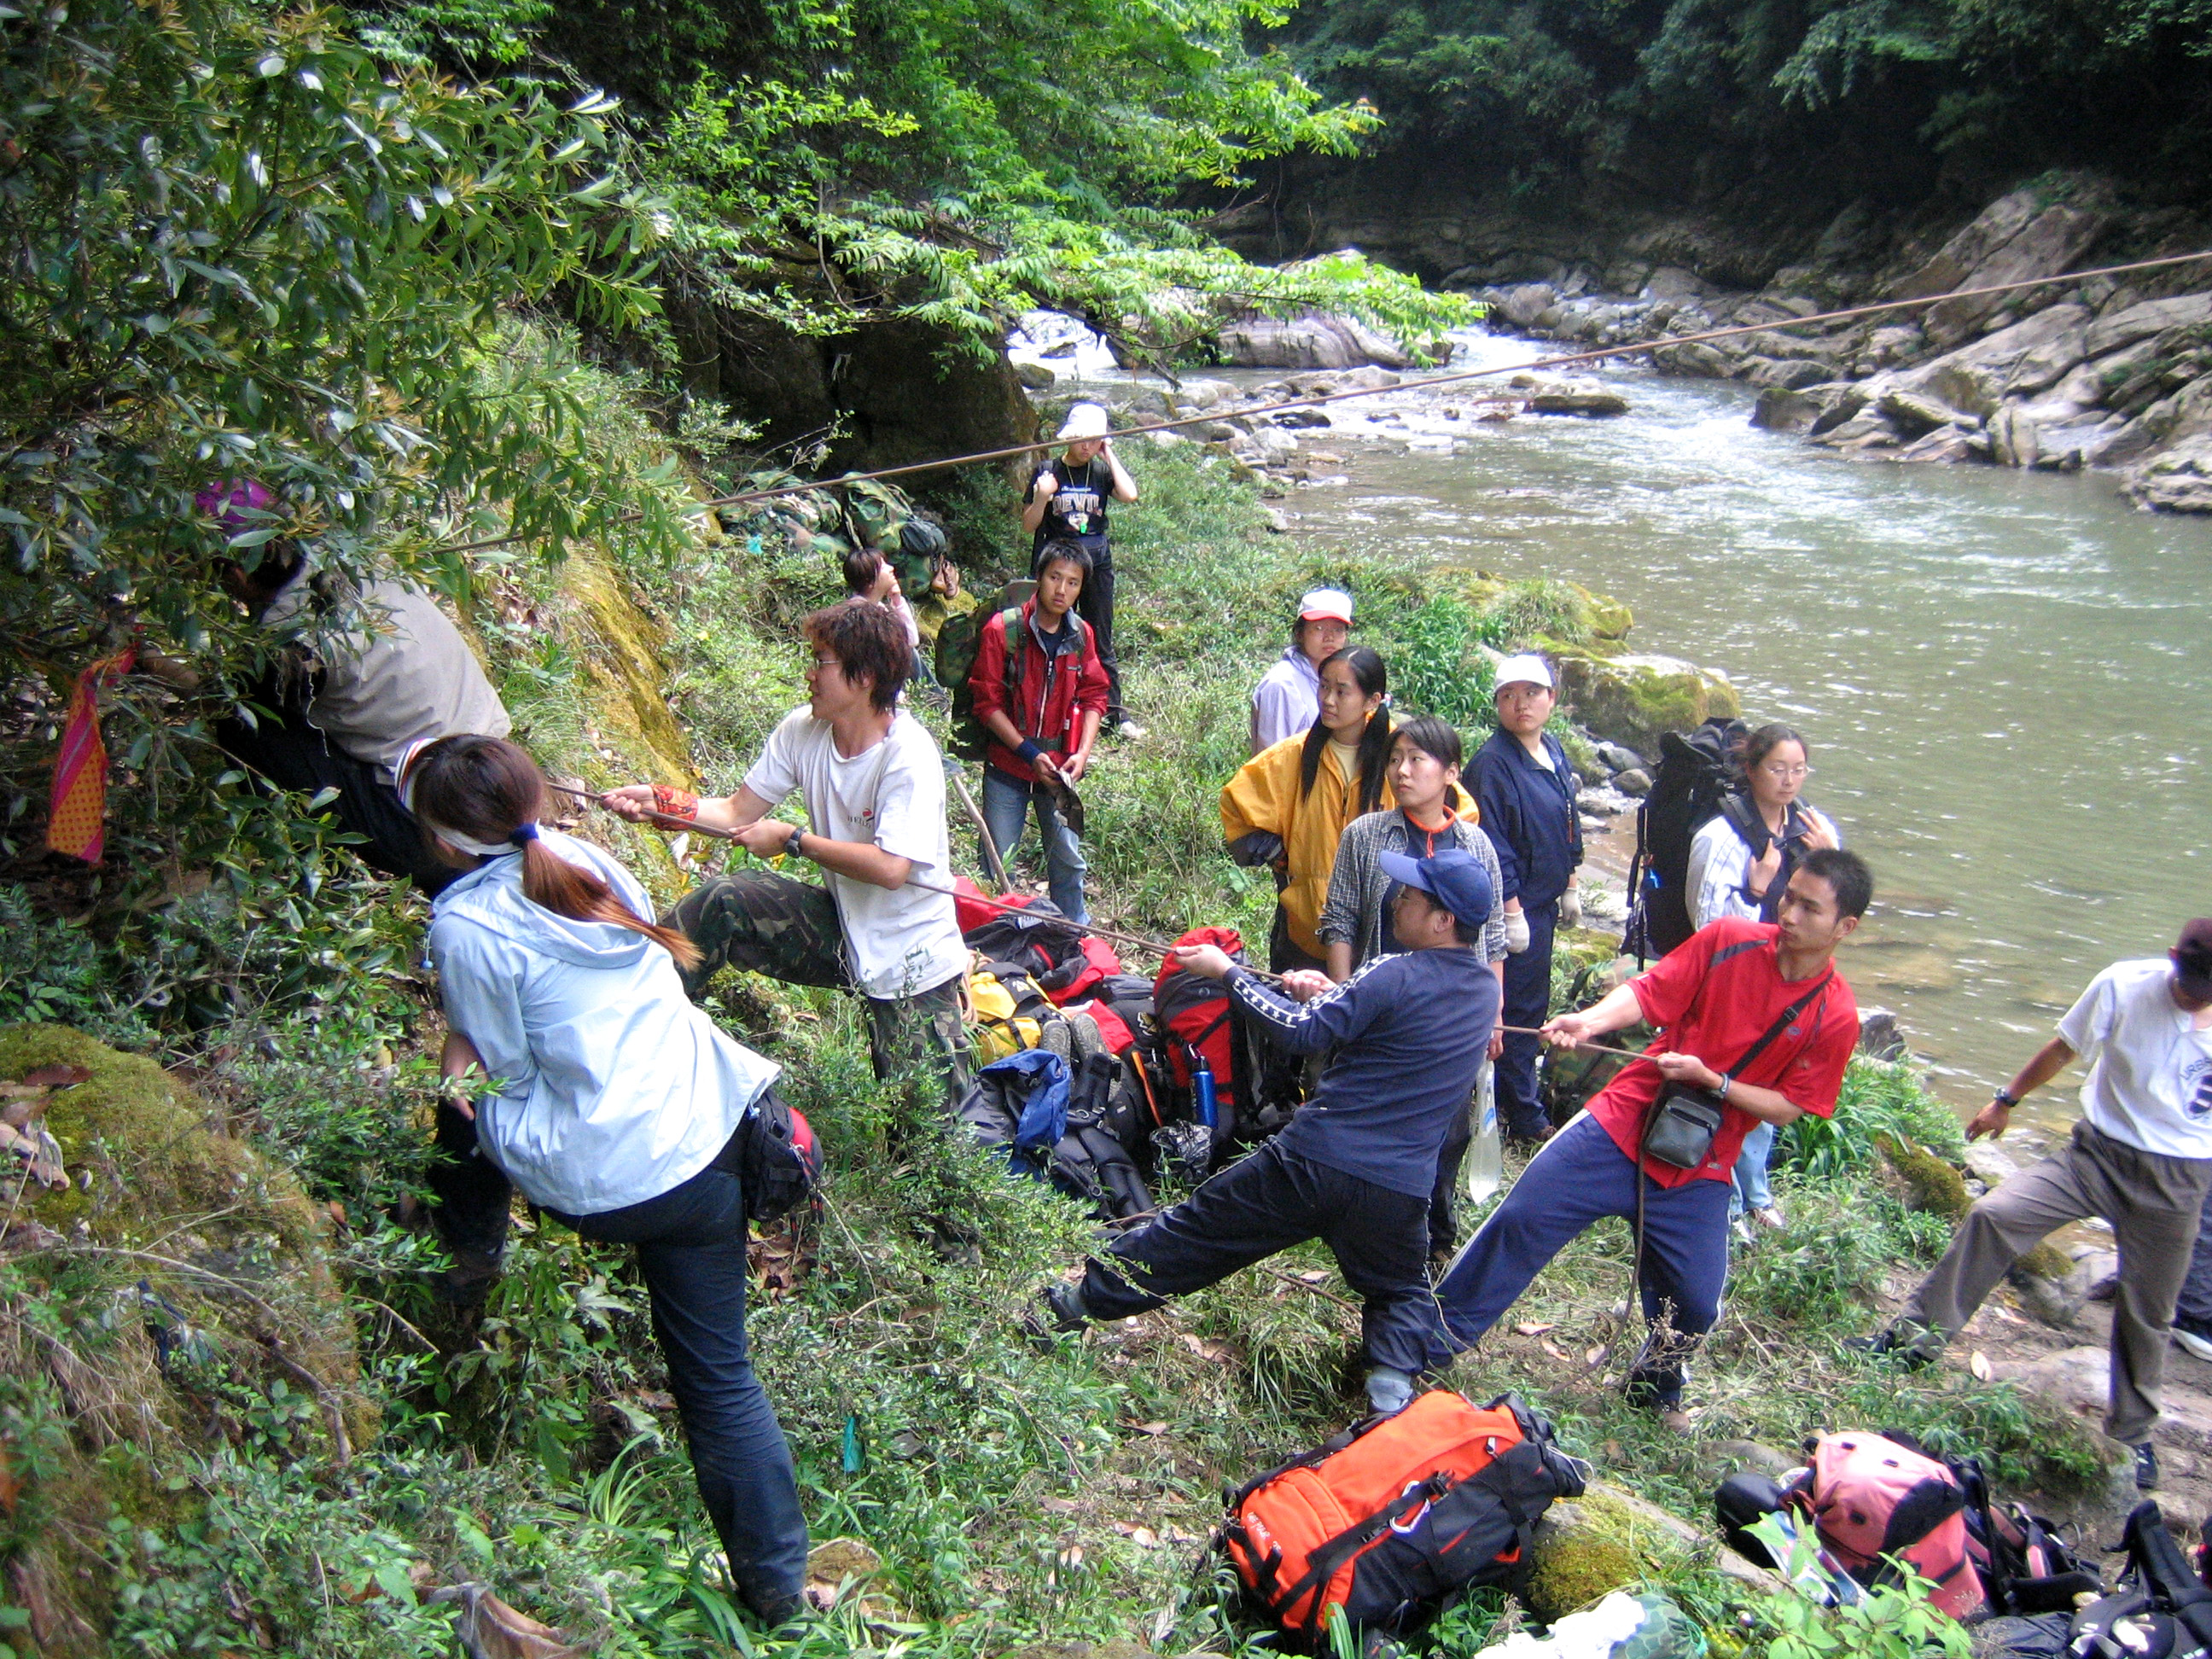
(1869, 1498)
(1199, 1025)
(1388, 1518)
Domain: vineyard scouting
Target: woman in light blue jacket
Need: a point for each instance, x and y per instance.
(612, 1103)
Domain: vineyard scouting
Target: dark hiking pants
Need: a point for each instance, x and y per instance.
(1577, 1179)
(292, 755)
(1528, 1002)
(690, 1247)
(1266, 1201)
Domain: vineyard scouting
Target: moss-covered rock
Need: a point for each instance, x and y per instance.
(1636, 699)
(1604, 1540)
(1935, 1186)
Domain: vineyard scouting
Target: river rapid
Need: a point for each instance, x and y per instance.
(2005, 678)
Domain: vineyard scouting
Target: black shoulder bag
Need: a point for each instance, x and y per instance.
(1680, 1129)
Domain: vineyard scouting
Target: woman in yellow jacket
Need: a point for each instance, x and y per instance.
(1288, 804)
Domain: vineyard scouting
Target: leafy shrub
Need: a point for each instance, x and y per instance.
(1878, 1098)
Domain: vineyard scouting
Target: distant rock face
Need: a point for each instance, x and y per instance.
(1312, 340)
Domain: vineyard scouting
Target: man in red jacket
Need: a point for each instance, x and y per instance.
(1044, 731)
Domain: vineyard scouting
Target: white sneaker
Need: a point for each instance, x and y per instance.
(1770, 1216)
(2193, 1342)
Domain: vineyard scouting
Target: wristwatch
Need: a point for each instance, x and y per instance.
(2006, 1098)
(790, 846)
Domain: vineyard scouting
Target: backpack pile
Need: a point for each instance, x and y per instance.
(1389, 1519)
(1050, 1108)
(1695, 781)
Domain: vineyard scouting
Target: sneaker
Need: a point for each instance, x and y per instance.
(2195, 1336)
(2146, 1468)
(1388, 1390)
(1913, 1350)
(1770, 1216)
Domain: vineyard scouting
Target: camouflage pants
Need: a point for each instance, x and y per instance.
(763, 923)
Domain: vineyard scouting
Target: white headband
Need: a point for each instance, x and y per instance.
(522, 832)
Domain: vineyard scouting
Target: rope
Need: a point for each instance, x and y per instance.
(1426, 383)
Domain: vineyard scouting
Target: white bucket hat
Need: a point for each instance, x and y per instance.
(1085, 422)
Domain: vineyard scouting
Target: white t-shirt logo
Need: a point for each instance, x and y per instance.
(2196, 1083)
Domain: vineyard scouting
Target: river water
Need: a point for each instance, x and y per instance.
(2005, 678)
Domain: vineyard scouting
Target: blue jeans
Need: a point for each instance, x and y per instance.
(691, 1250)
(1751, 1191)
(1006, 807)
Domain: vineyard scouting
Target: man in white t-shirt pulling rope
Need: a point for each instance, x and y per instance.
(2141, 1157)
(873, 782)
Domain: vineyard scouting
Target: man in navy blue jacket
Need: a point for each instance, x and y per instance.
(1525, 789)
(1355, 1166)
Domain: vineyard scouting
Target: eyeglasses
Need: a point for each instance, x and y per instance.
(1783, 774)
(826, 662)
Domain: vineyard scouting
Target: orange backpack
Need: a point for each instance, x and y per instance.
(1389, 1517)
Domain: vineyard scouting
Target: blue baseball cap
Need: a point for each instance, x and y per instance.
(1455, 879)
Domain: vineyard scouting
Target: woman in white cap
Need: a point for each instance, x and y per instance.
(1526, 788)
(1287, 700)
(1066, 501)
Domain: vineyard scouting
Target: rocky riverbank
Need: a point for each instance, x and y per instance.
(2101, 373)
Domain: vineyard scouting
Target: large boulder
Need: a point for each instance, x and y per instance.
(1973, 379)
(1638, 699)
(1603, 1540)
(2047, 245)
(1312, 340)
(2139, 322)
(1996, 225)
(1522, 304)
(2176, 480)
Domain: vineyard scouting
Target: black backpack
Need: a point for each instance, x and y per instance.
(1695, 780)
(1089, 1161)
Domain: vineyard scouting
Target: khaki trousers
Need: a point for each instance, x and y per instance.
(2153, 1203)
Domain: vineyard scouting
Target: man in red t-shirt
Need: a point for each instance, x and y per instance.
(1726, 989)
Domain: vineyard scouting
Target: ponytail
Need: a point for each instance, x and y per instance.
(486, 794)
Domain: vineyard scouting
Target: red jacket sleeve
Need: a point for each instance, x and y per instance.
(1092, 689)
(987, 680)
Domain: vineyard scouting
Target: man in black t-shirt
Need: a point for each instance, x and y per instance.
(1066, 501)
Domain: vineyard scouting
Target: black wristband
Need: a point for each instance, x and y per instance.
(790, 846)
(2006, 1098)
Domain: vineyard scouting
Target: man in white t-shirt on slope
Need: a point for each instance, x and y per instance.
(873, 782)
(2141, 1157)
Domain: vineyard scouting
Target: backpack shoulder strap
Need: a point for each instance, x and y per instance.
(1010, 619)
(1744, 819)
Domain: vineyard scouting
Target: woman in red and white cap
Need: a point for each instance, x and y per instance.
(1287, 700)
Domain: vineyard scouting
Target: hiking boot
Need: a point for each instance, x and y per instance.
(2195, 1336)
(2146, 1468)
(468, 1282)
(1913, 1348)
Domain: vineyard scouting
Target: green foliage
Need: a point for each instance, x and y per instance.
(1878, 1098)
(239, 246)
(1893, 1621)
(1561, 95)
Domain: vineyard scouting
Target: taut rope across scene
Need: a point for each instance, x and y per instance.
(1572, 360)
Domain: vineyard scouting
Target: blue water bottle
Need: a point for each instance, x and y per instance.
(1201, 1086)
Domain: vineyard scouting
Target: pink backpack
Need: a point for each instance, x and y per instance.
(1869, 1498)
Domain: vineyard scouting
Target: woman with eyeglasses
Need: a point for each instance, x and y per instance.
(1739, 864)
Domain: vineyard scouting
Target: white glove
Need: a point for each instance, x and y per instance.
(1570, 908)
(1517, 932)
